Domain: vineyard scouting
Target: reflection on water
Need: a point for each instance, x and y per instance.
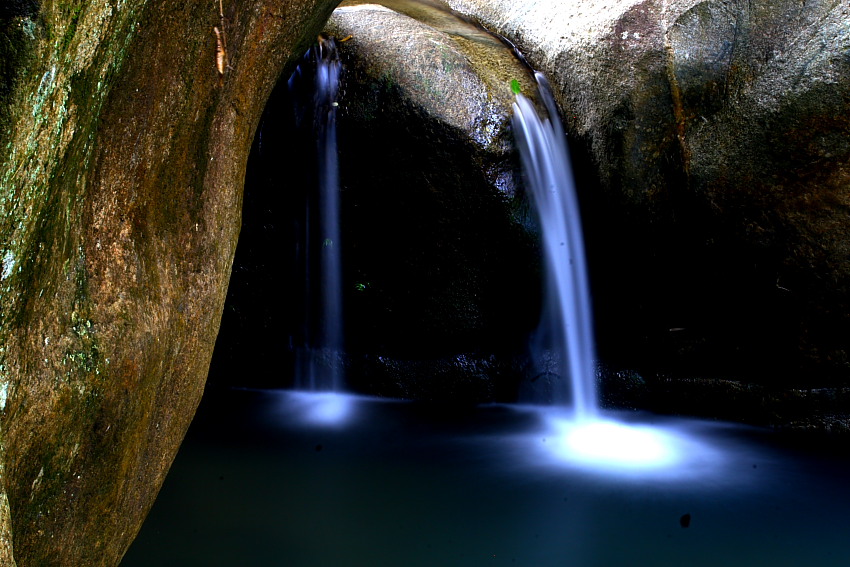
(259, 481)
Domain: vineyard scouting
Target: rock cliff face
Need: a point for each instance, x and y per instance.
(718, 131)
(122, 153)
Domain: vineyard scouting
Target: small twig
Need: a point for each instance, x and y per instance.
(220, 43)
(220, 51)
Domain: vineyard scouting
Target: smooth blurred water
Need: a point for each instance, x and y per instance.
(317, 363)
(274, 478)
(567, 314)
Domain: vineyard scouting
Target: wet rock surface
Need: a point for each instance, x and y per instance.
(817, 415)
(717, 133)
(434, 62)
(123, 154)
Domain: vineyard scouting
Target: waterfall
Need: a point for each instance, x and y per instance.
(318, 365)
(567, 317)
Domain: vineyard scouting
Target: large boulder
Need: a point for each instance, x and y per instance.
(717, 133)
(122, 156)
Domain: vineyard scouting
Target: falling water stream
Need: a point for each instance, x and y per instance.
(567, 311)
(587, 436)
(317, 365)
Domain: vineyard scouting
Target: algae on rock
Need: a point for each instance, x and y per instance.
(122, 154)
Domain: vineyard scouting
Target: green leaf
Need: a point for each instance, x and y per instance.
(515, 86)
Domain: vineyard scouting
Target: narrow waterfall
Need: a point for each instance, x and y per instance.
(567, 316)
(318, 361)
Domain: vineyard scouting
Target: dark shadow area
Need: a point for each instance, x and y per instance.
(264, 297)
(679, 292)
(437, 264)
(442, 262)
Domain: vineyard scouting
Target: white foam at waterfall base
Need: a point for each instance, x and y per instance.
(612, 447)
(609, 443)
(322, 408)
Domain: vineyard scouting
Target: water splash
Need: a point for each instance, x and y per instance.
(610, 444)
(567, 312)
(587, 438)
(325, 409)
(318, 364)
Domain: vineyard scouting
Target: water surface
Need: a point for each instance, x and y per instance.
(269, 478)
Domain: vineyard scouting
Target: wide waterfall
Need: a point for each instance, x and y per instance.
(567, 320)
(318, 365)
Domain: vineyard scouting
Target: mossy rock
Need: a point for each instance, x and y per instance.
(121, 166)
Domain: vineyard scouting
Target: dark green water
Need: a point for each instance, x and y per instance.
(401, 484)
